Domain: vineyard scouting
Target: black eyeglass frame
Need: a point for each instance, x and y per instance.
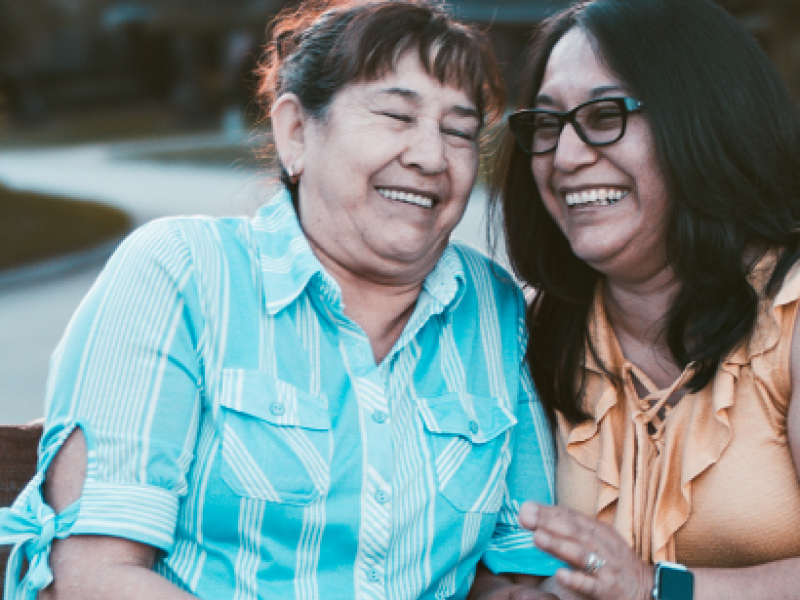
(626, 105)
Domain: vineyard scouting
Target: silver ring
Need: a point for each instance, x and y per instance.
(593, 564)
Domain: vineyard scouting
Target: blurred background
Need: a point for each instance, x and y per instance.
(114, 112)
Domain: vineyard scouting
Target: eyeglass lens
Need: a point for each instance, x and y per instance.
(597, 123)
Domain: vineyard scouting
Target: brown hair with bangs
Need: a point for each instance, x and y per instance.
(321, 46)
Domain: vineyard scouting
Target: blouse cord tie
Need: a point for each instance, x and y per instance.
(661, 397)
(32, 529)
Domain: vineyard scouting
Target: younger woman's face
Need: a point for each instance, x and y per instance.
(623, 236)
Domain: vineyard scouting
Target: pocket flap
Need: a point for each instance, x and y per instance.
(264, 397)
(448, 414)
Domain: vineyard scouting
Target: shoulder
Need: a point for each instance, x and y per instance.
(771, 350)
(485, 275)
(491, 300)
(783, 312)
(777, 311)
(789, 291)
(182, 254)
(174, 237)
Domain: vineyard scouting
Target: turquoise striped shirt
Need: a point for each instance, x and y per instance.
(236, 420)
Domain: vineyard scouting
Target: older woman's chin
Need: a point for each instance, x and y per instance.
(413, 255)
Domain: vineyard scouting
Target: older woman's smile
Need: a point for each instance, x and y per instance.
(424, 199)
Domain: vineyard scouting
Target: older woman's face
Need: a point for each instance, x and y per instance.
(387, 173)
(622, 238)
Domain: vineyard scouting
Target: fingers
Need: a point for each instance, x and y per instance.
(528, 515)
(566, 549)
(570, 527)
(581, 583)
(521, 592)
(617, 573)
(558, 520)
(527, 593)
(552, 532)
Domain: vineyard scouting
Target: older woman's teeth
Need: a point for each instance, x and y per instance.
(597, 197)
(423, 201)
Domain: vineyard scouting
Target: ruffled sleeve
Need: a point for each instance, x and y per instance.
(594, 444)
(701, 430)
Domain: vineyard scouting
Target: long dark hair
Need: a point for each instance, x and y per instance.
(727, 138)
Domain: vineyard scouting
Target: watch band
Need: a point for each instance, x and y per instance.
(672, 581)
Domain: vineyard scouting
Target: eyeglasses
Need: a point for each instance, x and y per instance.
(597, 122)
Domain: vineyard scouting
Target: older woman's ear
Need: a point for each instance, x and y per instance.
(288, 129)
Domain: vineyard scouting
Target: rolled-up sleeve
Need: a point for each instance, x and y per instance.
(530, 477)
(128, 373)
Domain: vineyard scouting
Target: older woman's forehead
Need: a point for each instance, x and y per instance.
(410, 80)
(408, 74)
(409, 62)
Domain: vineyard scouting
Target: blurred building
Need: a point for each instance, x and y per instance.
(66, 54)
(776, 25)
(58, 55)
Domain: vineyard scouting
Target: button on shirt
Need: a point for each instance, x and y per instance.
(236, 420)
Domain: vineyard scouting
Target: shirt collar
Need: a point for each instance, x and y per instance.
(288, 264)
(447, 282)
(285, 257)
(442, 290)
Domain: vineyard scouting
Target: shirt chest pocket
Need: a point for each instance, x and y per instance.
(471, 450)
(276, 439)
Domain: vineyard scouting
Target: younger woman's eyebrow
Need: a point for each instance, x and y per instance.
(593, 93)
(600, 90)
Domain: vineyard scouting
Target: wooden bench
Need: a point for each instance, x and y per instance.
(18, 445)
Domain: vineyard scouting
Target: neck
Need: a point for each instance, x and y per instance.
(382, 311)
(380, 305)
(637, 309)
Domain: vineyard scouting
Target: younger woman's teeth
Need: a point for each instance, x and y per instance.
(596, 197)
(408, 197)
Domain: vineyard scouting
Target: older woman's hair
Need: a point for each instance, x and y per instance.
(319, 48)
(727, 137)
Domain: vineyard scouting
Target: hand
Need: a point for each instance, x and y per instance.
(579, 541)
(506, 586)
(519, 592)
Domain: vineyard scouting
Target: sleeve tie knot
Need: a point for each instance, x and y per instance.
(31, 526)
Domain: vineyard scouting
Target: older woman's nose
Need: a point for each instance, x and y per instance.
(572, 152)
(426, 148)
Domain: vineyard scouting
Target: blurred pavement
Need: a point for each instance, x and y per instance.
(34, 313)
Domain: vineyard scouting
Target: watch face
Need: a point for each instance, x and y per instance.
(675, 584)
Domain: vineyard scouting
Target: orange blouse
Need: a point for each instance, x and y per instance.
(713, 483)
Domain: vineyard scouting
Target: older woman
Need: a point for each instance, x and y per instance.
(319, 402)
(652, 198)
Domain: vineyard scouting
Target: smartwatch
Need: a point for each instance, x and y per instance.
(673, 582)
